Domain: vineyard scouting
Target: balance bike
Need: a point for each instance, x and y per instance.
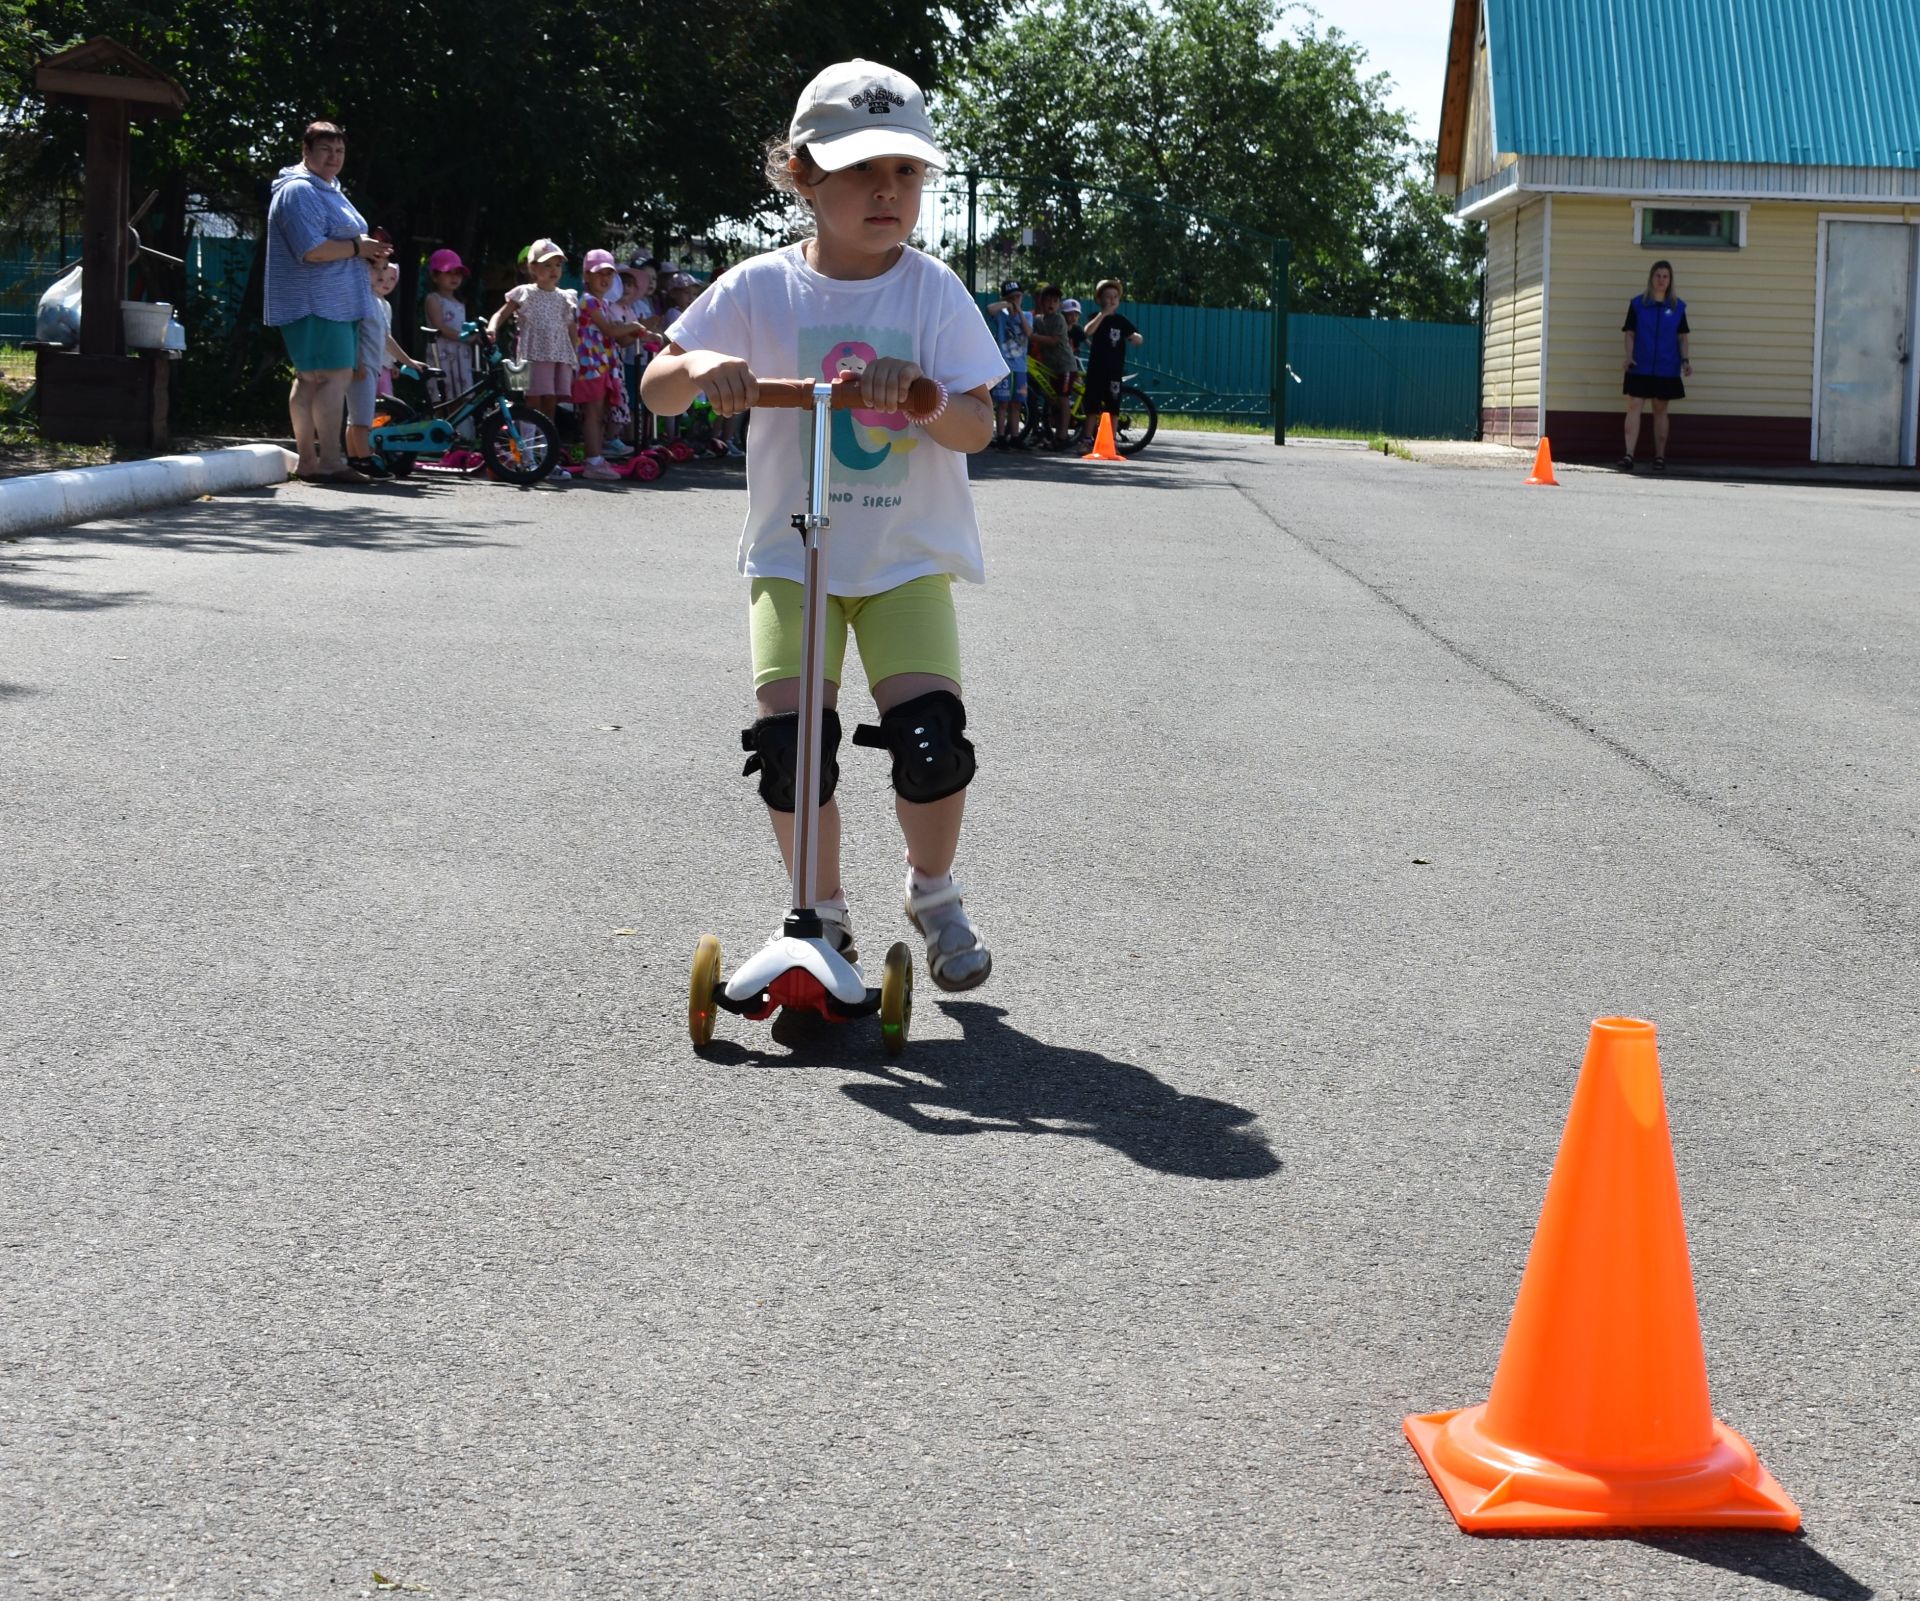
(799, 969)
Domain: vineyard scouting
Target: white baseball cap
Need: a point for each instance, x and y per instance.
(857, 110)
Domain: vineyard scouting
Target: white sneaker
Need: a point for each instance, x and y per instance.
(957, 957)
(617, 448)
(599, 470)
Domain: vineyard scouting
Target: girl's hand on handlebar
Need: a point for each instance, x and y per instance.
(727, 380)
(884, 385)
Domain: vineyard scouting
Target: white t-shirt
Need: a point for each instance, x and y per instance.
(900, 504)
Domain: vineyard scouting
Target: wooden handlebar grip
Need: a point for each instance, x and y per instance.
(922, 395)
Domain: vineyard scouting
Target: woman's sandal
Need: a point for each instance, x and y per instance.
(1659, 464)
(1625, 464)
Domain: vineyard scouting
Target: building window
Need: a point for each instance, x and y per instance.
(1676, 228)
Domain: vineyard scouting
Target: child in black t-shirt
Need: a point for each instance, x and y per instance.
(1109, 336)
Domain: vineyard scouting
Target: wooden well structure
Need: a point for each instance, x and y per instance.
(103, 391)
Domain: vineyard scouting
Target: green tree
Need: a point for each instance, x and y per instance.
(1426, 264)
(1216, 111)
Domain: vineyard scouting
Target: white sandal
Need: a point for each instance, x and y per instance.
(836, 922)
(957, 958)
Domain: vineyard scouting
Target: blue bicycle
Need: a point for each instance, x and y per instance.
(517, 442)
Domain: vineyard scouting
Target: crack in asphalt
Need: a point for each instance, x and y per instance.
(1883, 918)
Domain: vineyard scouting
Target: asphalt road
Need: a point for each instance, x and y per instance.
(363, 1208)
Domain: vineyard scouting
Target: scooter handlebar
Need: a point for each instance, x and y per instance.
(797, 394)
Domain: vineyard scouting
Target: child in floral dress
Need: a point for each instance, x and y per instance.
(546, 318)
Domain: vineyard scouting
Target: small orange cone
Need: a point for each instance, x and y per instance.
(1543, 465)
(1103, 442)
(1599, 1416)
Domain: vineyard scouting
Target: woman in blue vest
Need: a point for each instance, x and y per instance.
(1656, 360)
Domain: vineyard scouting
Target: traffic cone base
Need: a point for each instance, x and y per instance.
(1599, 1416)
(1103, 449)
(1493, 1489)
(1543, 465)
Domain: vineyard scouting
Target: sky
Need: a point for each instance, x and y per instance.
(1406, 38)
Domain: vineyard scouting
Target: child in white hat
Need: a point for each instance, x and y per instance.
(858, 298)
(547, 321)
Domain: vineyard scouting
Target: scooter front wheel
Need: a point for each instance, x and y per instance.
(896, 997)
(701, 990)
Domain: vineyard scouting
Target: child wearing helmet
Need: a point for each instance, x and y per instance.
(856, 298)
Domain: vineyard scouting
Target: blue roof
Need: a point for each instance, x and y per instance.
(1794, 82)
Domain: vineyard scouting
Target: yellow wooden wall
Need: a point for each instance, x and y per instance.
(1510, 370)
(1751, 310)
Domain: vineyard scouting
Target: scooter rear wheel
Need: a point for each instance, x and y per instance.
(700, 991)
(896, 998)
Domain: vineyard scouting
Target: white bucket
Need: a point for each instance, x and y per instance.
(145, 322)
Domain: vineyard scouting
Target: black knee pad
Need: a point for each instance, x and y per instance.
(775, 743)
(932, 757)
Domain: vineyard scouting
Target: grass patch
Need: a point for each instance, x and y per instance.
(1390, 447)
(22, 450)
(1201, 423)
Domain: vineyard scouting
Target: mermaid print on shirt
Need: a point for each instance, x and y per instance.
(874, 444)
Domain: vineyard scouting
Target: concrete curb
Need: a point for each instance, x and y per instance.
(80, 494)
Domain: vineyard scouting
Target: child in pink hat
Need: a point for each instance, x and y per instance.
(446, 316)
(596, 376)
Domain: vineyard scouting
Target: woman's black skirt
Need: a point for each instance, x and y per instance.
(1648, 387)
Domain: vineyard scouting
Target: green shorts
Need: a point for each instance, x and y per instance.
(319, 345)
(911, 629)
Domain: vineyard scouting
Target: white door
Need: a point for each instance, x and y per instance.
(1866, 338)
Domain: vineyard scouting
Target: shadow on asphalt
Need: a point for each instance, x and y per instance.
(996, 1080)
(382, 520)
(1783, 1559)
(1163, 464)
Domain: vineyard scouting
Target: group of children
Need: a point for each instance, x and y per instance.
(1070, 353)
(585, 348)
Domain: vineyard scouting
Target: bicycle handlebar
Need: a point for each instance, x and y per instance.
(797, 394)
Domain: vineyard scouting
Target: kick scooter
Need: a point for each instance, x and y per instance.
(799, 969)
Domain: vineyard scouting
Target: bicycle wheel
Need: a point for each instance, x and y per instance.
(1135, 423)
(1035, 425)
(390, 408)
(523, 455)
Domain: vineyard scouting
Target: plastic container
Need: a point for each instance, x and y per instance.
(145, 322)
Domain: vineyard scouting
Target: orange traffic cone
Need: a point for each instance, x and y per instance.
(1543, 465)
(1103, 442)
(1599, 1417)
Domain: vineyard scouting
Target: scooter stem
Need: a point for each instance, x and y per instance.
(806, 817)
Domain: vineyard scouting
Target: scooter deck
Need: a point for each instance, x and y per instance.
(801, 975)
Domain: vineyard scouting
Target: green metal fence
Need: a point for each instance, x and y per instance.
(1414, 380)
(27, 267)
